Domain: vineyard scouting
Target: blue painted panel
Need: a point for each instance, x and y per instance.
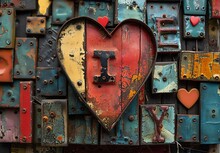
(154, 132)
(84, 129)
(75, 105)
(165, 78)
(127, 9)
(25, 58)
(50, 82)
(197, 31)
(163, 19)
(97, 9)
(126, 131)
(195, 7)
(187, 128)
(10, 94)
(210, 113)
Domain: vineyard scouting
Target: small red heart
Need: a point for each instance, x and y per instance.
(188, 99)
(103, 20)
(194, 20)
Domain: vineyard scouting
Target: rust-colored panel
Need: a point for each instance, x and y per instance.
(26, 90)
(116, 64)
(200, 66)
(215, 8)
(6, 65)
(36, 25)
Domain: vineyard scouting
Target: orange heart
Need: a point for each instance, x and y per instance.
(188, 99)
(194, 20)
(103, 20)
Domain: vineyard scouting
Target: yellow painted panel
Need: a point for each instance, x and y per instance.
(72, 54)
(196, 66)
(206, 65)
(43, 6)
(216, 65)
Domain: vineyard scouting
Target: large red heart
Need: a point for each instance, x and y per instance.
(188, 99)
(103, 20)
(194, 20)
(106, 69)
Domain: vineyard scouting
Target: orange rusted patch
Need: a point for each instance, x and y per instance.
(60, 138)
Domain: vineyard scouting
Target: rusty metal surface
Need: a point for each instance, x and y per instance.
(200, 66)
(6, 65)
(165, 78)
(25, 58)
(26, 121)
(187, 128)
(214, 36)
(20, 5)
(83, 129)
(54, 122)
(37, 123)
(7, 19)
(157, 124)
(35, 25)
(195, 7)
(215, 8)
(132, 74)
(9, 125)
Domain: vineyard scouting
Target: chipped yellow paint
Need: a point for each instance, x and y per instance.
(73, 54)
(186, 65)
(44, 6)
(216, 65)
(205, 65)
(136, 77)
(131, 94)
(196, 66)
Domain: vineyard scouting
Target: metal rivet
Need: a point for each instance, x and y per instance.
(31, 43)
(185, 57)
(213, 116)
(12, 99)
(131, 118)
(79, 83)
(42, 20)
(60, 92)
(42, 30)
(194, 120)
(24, 139)
(28, 20)
(38, 90)
(45, 82)
(51, 81)
(24, 87)
(130, 142)
(181, 120)
(24, 110)
(194, 138)
(8, 42)
(9, 94)
(49, 128)
(78, 27)
(45, 118)
(9, 12)
(30, 72)
(52, 114)
(188, 33)
(180, 137)
(164, 79)
(205, 138)
(213, 111)
(19, 44)
(155, 90)
(28, 30)
(216, 77)
(201, 34)
(204, 87)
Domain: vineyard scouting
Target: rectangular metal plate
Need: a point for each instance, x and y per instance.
(6, 65)
(7, 19)
(9, 125)
(187, 128)
(54, 122)
(50, 82)
(20, 5)
(210, 112)
(10, 94)
(35, 25)
(126, 9)
(37, 123)
(20, 30)
(83, 129)
(214, 36)
(26, 93)
(47, 56)
(126, 130)
(44, 7)
(97, 9)
(25, 58)
(195, 7)
(163, 19)
(165, 78)
(194, 31)
(200, 66)
(215, 8)
(75, 104)
(157, 124)
(62, 11)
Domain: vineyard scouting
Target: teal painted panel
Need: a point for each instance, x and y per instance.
(126, 131)
(194, 31)
(157, 124)
(210, 113)
(187, 128)
(195, 7)
(95, 9)
(165, 78)
(130, 9)
(25, 58)
(10, 94)
(163, 19)
(62, 11)
(83, 129)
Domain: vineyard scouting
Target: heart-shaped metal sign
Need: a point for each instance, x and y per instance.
(106, 69)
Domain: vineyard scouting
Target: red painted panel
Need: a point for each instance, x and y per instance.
(6, 65)
(215, 8)
(26, 111)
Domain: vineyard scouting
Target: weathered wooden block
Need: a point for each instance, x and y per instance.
(157, 124)
(165, 78)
